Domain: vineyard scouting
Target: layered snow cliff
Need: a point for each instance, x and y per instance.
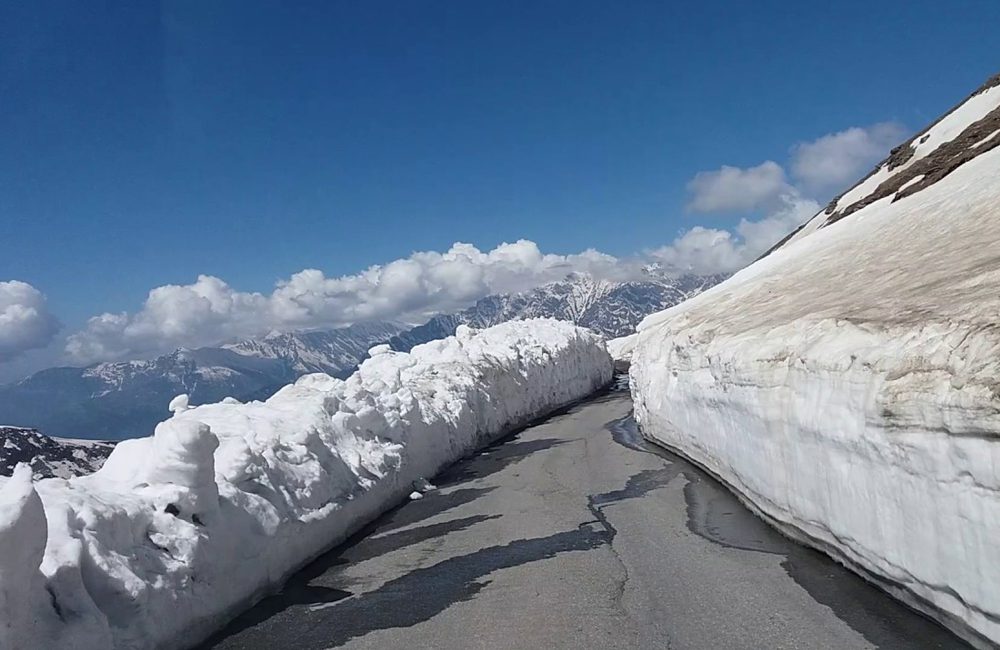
(847, 385)
(180, 530)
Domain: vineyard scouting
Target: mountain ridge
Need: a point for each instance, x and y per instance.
(121, 399)
(610, 308)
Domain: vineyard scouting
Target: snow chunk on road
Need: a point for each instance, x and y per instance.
(179, 531)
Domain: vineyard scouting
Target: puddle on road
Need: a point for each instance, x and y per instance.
(714, 513)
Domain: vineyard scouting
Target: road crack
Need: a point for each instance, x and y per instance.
(601, 518)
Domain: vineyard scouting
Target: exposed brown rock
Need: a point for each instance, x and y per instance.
(934, 166)
(899, 156)
(902, 154)
(906, 149)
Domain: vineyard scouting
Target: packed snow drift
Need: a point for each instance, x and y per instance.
(848, 384)
(179, 531)
(621, 349)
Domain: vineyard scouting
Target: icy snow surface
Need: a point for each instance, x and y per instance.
(621, 348)
(848, 386)
(180, 530)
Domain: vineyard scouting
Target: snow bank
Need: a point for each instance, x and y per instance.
(621, 349)
(180, 530)
(22, 588)
(848, 387)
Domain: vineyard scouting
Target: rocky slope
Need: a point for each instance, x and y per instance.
(609, 308)
(968, 130)
(50, 457)
(847, 385)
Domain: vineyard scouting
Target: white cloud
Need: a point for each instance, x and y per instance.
(735, 189)
(834, 161)
(703, 250)
(210, 311)
(25, 321)
(411, 289)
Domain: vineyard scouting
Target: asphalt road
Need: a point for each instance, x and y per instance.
(575, 533)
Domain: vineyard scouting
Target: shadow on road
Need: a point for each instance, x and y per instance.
(305, 588)
(412, 512)
(337, 615)
(422, 594)
(493, 459)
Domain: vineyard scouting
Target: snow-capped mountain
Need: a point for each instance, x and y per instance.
(609, 308)
(334, 352)
(48, 457)
(127, 398)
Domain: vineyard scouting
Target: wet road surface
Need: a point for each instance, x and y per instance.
(576, 533)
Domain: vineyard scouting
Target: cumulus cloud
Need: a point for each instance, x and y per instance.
(735, 189)
(411, 289)
(703, 250)
(836, 160)
(210, 311)
(831, 162)
(25, 321)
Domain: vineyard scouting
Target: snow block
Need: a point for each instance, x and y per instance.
(23, 533)
(180, 531)
(847, 386)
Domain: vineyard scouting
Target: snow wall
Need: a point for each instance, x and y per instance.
(180, 531)
(847, 386)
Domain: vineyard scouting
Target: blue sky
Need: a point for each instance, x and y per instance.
(145, 144)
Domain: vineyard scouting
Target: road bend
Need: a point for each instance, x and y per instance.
(577, 533)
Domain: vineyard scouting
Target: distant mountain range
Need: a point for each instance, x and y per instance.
(611, 309)
(335, 352)
(126, 399)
